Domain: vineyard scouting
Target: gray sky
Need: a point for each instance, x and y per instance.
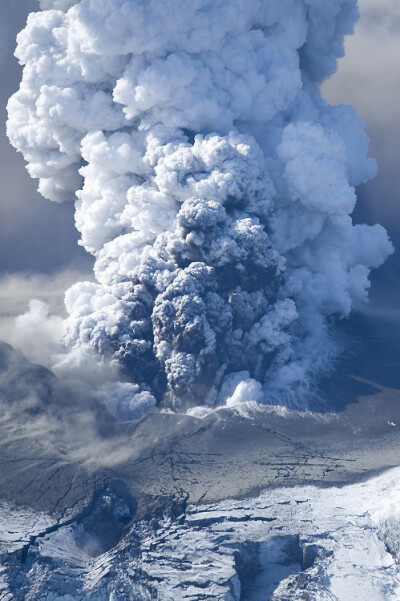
(369, 79)
(39, 237)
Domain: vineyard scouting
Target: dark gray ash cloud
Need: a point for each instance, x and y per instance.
(214, 189)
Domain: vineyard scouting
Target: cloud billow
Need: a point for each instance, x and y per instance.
(213, 185)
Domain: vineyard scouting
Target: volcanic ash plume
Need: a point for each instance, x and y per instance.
(212, 183)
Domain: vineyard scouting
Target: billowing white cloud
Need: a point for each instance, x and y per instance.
(214, 187)
(32, 311)
(37, 332)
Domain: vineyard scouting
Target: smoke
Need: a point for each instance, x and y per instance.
(32, 312)
(212, 183)
(42, 416)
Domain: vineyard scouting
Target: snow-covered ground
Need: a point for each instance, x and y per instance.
(288, 544)
(16, 527)
(337, 543)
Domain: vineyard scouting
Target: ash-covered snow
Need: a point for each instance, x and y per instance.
(288, 544)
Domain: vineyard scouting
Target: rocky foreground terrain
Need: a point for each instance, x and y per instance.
(245, 504)
(287, 544)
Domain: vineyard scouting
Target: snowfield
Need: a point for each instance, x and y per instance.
(288, 544)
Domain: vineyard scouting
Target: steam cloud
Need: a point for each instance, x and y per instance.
(214, 187)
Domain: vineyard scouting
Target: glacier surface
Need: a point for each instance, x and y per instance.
(287, 544)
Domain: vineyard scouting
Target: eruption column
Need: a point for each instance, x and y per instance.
(213, 185)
